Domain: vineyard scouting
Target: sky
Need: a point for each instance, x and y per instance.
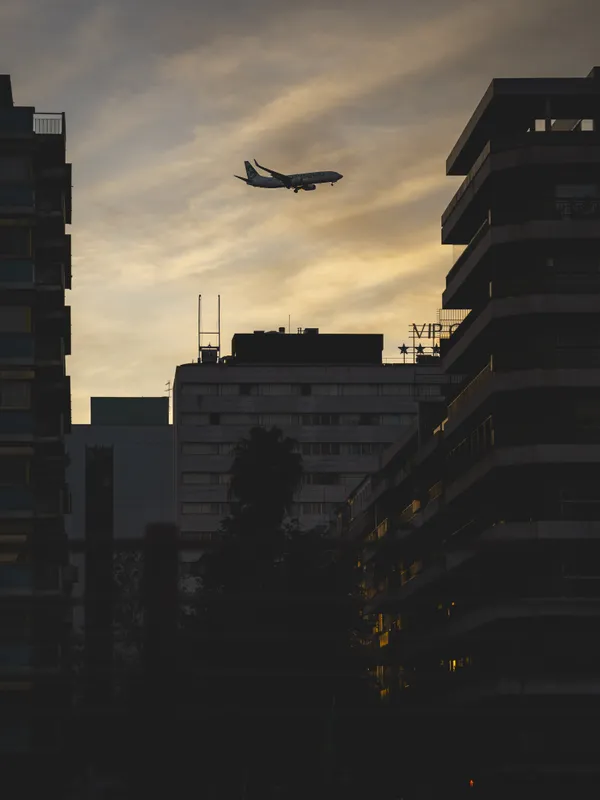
(165, 101)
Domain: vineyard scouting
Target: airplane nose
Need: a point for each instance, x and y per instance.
(339, 175)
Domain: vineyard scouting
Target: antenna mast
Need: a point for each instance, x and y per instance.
(199, 326)
(209, 353)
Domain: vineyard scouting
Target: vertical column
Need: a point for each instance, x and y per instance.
(99, 534)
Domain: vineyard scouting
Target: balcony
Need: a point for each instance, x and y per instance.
(409, 513)
(50, 352)
(49, 124)
(462, 252)
(564, 283)
(472, 448)
(50, 276)
(51, 204)
(470, 389)
(558, 218)
(575, 208)
(542, 149)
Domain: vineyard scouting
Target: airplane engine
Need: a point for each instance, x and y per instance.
(310, 187)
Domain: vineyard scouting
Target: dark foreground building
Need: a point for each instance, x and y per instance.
(35, 414)
(481, 537)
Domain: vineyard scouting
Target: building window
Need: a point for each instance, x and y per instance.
(269, 420)
(214, 419)
(320, 448)
(204, 478)
(15, 319)
(275, 389)
(237, 419)
(200, 449)
(230, 389)
(321, 478)
(14, 169)
(15, 240)
(326, 389)
(205, 508)
(14, 471)
(579, 190)
(196, 389)
(248, 389)
(396, 389)
(362, 448)
(15, 394)
(359, 389)
(430, 390)
(368, 419)
(397, 419)
(313, 509)
(320, 419)
(305, 389)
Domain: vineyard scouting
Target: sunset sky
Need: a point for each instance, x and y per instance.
(165, 100)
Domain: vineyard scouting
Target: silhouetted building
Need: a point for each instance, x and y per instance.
(330, 392)
(35, 337)
(481, 542)
(136, 439)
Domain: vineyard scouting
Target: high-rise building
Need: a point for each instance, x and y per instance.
(482, 540)
(330, 392)
(35, 337)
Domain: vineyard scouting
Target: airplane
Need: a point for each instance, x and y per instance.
(307, 181)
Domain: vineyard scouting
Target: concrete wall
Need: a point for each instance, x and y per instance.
(143, 474)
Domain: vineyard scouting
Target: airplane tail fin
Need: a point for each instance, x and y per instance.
(250, 171)
(239, 177)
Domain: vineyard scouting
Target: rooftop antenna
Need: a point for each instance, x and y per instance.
(209, 353)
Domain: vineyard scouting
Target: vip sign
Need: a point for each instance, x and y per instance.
(432, 330)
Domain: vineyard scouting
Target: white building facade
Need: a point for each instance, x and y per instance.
(343, 415)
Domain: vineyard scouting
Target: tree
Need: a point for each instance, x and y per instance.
(266, 472)
(275, 627)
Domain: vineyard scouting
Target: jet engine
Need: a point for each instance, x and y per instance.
(310, 187)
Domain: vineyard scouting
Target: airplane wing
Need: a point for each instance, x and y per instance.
(285, 179)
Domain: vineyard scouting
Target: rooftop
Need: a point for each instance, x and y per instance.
(308, 346)
(511, 105)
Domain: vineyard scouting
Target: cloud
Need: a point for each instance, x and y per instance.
(164, 106)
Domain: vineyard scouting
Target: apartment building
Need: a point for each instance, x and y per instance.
(480, 539)
(35, 415)
(332, 393)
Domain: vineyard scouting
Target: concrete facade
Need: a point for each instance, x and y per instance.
(343, 417)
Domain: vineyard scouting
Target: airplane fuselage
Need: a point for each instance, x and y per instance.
(298, 181)
(305, 181)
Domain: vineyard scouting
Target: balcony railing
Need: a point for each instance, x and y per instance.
(470, 389)
(577, 207)
(461, 252)
(409, 512)
(436, 491)
(48, 124)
